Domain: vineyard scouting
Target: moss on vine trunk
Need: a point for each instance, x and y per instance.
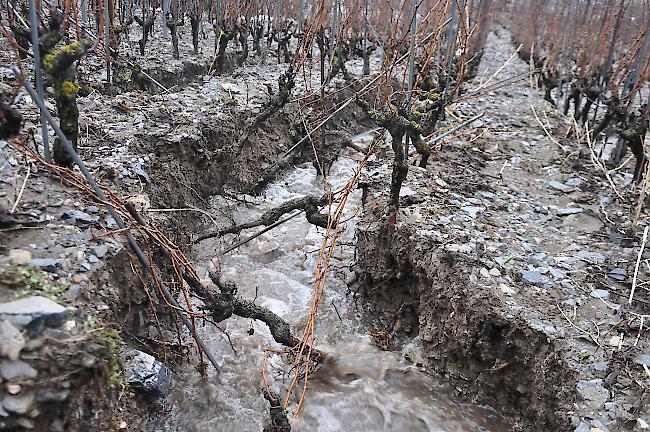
(60, 66)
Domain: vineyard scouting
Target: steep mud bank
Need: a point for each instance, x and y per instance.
(429, 295)
(495, 357)
(206, 159)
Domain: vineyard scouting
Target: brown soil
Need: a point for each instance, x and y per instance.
(495, 357)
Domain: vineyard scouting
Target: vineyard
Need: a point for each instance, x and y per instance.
(332, 215)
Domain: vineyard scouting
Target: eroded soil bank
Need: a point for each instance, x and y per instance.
(360, 386)
(511, 264)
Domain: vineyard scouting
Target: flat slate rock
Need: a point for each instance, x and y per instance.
(18, 404)
(16, 370)
(618, 274)
(643, 359)
(569, 211)
(600, 293)
(595, 257)
(47, 264)
(101, 250)
(534, 277)
(561, 186)
(77, 217)
(472, 211)
(593, 393)
(33, 314)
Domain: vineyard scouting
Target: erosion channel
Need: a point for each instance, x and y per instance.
(360, 387)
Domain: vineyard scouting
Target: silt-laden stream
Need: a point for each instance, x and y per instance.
(360, 388)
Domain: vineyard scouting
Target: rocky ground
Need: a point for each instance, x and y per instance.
(512, 262)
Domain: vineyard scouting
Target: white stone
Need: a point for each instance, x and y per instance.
(11, 341)
(31, 305)
(14, 389)
(20, 256)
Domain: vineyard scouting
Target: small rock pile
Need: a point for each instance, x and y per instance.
(53, 372)
(39, 363)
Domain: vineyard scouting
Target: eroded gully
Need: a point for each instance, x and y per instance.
(360, 388)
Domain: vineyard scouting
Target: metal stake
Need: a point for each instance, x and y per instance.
(84, 12)
(39, 76)
(107, 44)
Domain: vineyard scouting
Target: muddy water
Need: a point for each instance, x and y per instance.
(361, 388)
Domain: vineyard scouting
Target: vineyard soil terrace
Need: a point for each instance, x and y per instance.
(354, 244)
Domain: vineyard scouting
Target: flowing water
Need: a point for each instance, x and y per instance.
(360, 387)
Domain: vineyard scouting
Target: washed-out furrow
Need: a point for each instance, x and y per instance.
(360, 387)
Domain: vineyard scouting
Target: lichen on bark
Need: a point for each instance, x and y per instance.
(61, 70)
